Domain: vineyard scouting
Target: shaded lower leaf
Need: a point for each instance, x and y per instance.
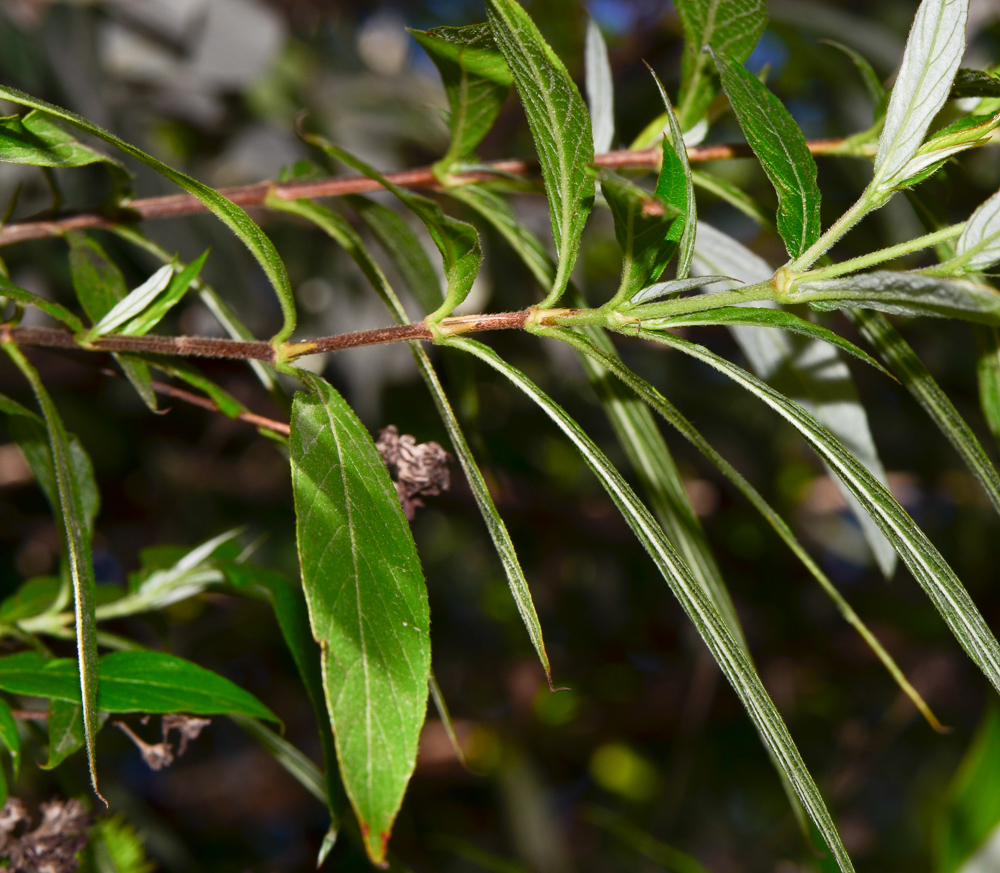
(65, 731)
(988, 376)
(9, 736)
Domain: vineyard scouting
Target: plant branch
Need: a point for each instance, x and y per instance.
(151, 208)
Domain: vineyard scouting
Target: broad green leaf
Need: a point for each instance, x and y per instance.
(676, 185)
(925, 562)
(896, 352)
(367, 605)
(65, 731)
(672, 288)
(456, 240)
(138, 681)
(901, 293)
(35, 140)
(933, 53)
(134, 303)
(34, 596)
(782, 150)
(731, 28)
(9, 736)
(175, 291)
(979, 245)
(233, 216)
(699, 607)
(56, 310)
(988, 376)
(560, 126)
(77, 533)
(600, 88)
(403, 247)
(967, 823)
(812, 373)
(476, 80)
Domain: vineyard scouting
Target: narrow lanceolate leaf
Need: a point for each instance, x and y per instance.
(810, 372)
(988, 376)
(559, 125)
(134, 303)
(600, 88)
(933, 53)
(233, 216)
(872, 82)
(731, 28)
(457, 241)
(978, 247)
(172, 295)
(903, 361)
(782, 150)
(345, 235)
(476, 80)
(676, 185)
(367, 605)
(9, 736)
(77, 536)
(674, 287)
(925, 562)
(56, 310)
(901, 293)
(700, 609)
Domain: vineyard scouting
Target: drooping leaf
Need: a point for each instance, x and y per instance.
(56, 310)
(175, 291)
(978, 247)
(289, 756)
(476, 80)
(134, 303)
(77, 533)
(782, 150)
(138, 681)
(179, 369)
(233, 216)
(367, 605)
(9, 736)
(560, 126)
(933, 53)
(600, 88)
(65, 731)
(901, 293)
(810, 372)
(731, 28)
(456, 240)
(698, 606)
(734, 196)
(896, 352)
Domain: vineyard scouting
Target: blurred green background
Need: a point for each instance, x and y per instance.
(648, 749)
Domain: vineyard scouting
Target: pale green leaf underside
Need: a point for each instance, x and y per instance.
(979, 244)
(600, 88)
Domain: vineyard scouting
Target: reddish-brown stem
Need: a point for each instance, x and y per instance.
(196, 400)
(423, 177)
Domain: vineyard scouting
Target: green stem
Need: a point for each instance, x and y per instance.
(865, 204)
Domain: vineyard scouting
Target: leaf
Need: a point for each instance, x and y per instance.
(233, 216)
(476, 80)
(77, 532)
(137, 681)
(56, 310)
(456, 240)
(228, 405)
(978, 247)
(134, 303)
(964, 134)
(896, 352)
(933, 53)
(782, 150)
(811, 373)
(734, 196)
(65, 732)
(872, 82)
(975, 83)
(367, 605)
(178, 287)
(731, 27)
(968, 820)
(901, 293)
(9, 736)
(560, 126)
(674, 287)
(698, 606)
(118, 848)
(988, 376)
(925, 562)
(306, 773)
(600, 88)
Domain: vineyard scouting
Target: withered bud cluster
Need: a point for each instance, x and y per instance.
(416, 469)
(49, 848)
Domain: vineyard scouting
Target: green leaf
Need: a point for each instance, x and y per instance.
(476, 80)
(731, 28)
(65, 731)
(456, 240)
(872, 82)
(560, 126)
(968, 820)
(56, 310)
(77, 532)
(674, 287)
(988, 376)
(975, 83)
(9, 736)
(134, 303)
(901, 293)
(35, 140)
(933, 53)
(699, 607)
(137, 681)
(178, 287)
(600, 88)
(782, 150)
(925, 562)
(367, 605)
(964, 134)
(228, 405)
(118, 848)
(233, 216)
(896, 352)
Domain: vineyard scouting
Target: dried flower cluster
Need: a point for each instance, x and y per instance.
(416, 470)
(49, 848)
(162, 754)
